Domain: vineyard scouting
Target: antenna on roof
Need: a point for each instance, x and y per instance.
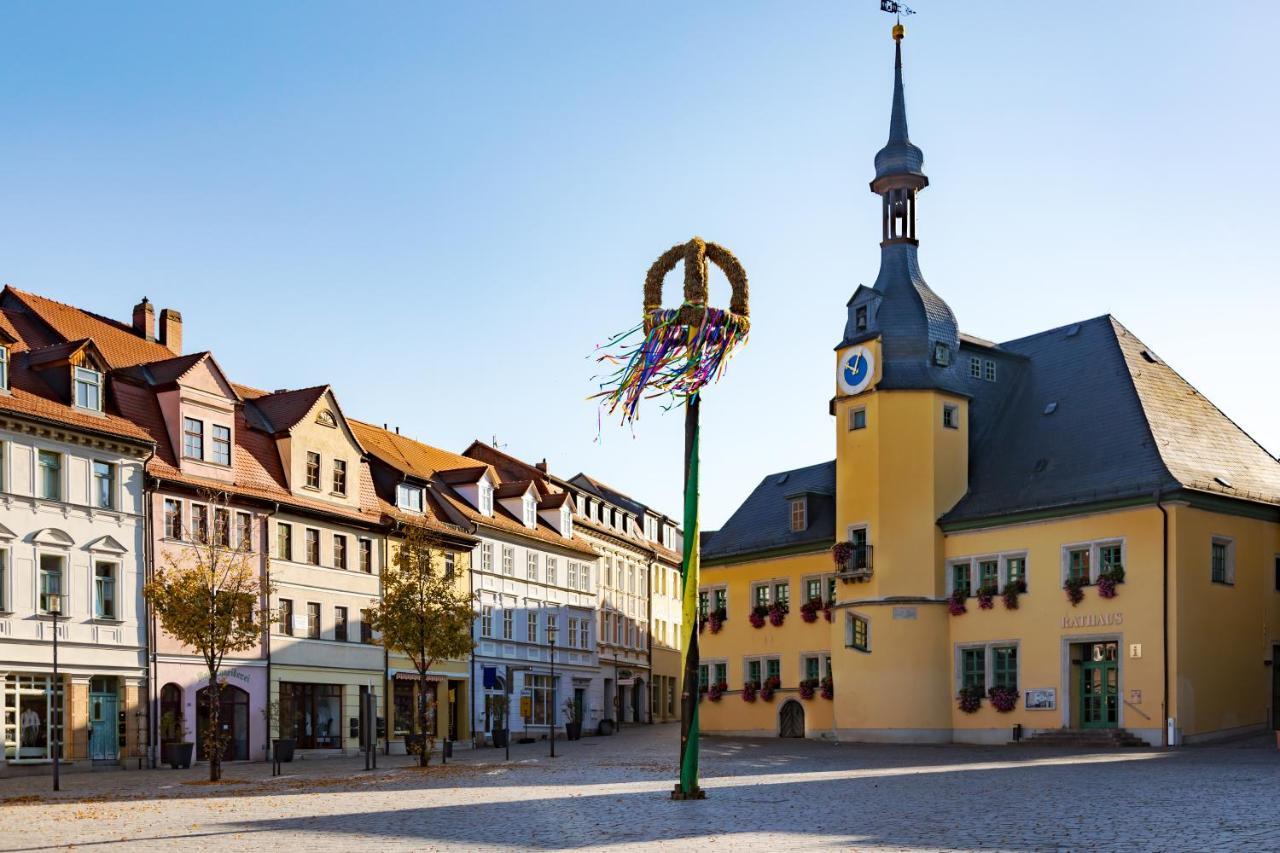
(495, 443)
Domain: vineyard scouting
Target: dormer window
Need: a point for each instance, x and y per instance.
(409, 497)
(221, 444)
(4, 368)
(566, 522)
(88, 389)
(860, 318)
(486, 499)
(192, 438)
(530, 512)
(799, 514)
(941, 354)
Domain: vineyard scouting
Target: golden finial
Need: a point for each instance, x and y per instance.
(898, 32)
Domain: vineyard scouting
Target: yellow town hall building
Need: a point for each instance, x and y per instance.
(1053, 533)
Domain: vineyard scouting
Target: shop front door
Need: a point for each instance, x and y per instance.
(1100, 687)
(233, 721)
(104, 742)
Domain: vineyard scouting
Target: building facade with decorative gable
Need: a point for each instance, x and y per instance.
(72, 546)
(1056, 533)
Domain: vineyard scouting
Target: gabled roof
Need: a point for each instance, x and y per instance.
(118, 343)
(283, 410)
(610, 494)
(513, 489)
(61, 353)
(763, 521)
(1089, 418)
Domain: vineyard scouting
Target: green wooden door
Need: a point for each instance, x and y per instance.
(103, 741)
(1100, 687)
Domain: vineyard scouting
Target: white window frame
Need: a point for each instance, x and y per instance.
(853, 418)
(1025, 557)
(531, 566)
(486, 620)
(6, 595)
(197, 434)
(113, 482)
(1095, 560)
(553, 570)
(508, 623)
(485, 498)
(508, 561)
(91, 380)
(63, 580)
(409, 497)
(4, 368)
(989, 370)
(799, 513)
(571, 574)
(215, 442)
(486, 556)
(41, 454)
(530, 510)
(115, 589)
(531, 622)
(975, 367)
(566, 522)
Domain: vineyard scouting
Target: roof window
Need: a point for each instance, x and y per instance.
(1051, 408)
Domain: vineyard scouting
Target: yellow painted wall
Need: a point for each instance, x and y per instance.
(1225, 633)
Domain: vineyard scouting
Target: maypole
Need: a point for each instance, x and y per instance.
(681, 351)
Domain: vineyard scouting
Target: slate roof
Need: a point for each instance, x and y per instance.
(1122, 426)
(899, 156)
(763, 521)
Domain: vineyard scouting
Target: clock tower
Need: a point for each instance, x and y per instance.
(901, 418)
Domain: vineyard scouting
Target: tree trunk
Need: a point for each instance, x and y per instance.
(213, 737)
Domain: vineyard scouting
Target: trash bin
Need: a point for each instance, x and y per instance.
(606, 727)
(446, 747)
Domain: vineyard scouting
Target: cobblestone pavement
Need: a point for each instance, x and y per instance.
(612, 793)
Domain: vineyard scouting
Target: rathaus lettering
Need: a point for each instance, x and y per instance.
(1093, 621)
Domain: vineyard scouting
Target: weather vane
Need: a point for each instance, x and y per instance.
(895, 8)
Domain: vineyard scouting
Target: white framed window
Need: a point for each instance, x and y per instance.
(571, 632)
(50, 463)
(88, 389)
(52, 568)
(1222, 560)
(339, 476)
(486, 498)
(408, 497)
(313, 470)
(221, 444)
(104, 589)
(4, 580)
(950, 416)
(508, 561)
(508, 623)
(486, 620)
(858, 418)
(584, 633)
(975, 367)
(989, 370)
(1088, 560)
(486, 556)
(4, 368)
(531, 565)
(566, 522)
(553, 570)
(799, 514)
(192, 438)
(531, 625)
(530, 511)
(172, 519)
(104, 484)
(584, 577)
(571, 572)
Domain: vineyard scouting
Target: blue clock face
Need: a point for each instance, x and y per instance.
(856, 370)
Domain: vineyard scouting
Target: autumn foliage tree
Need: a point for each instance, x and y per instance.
(211, 597)
(426, 615)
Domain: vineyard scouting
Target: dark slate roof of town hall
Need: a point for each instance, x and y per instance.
(1092, 414)
(763, 521)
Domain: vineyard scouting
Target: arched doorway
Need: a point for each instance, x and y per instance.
(233, 719)
(791, 719)
(171, 727)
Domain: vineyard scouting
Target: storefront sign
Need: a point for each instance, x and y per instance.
(1093, 620)
(1041, 699)
(234, 673)
(904, 613)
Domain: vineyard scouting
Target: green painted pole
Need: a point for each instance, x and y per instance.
(688, 788)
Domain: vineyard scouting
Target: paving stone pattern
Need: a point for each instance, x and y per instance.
(612, 793)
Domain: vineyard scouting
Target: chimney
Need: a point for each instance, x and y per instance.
(144, 319)
(542, 466)
(171, 330)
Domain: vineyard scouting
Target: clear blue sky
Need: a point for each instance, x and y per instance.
(441, 208)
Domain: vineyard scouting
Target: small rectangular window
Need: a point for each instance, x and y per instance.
(409, 497)
(104, 590)
(221, 444)
(858, 419)
(51, 582)
(340, 476)
(859, 631)
(989, 370)
(313, 546)
(941, 354)
(973, 668)
(989, 574)
(951, 416)
(4, 580)
(704, 597)
(366, 628)
(812, 589)
(340, 624)
(975, 367)
(1016, 571)
(531, 626)
(1004, 667)
(960, 576)
(339, 551)
(486, 620)
(313, 470)
(244, 531)
(4, 368)
(173, 519)
(192, 438)
(104, 484)
(782, 594)
(50, 475)
(222, 527)
(531, 566)
(753, 672)
(1078, 565)
(860, 318)
(812, 668)
(284, 541)
(286, 616)
(760, 595)
(799, 514)
(508, 623)
(508, 561)
(553, 570)
(366, 556)
(313, 620)
(200, 522)
(450, 563)
(88, 389)
(1222, 570)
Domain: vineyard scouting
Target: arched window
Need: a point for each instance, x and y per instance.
(171, 727)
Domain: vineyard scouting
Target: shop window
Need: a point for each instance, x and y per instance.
(30, 707)
(312, 714)
(543, 695)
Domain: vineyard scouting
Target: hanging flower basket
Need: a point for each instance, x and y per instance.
(809, 610)
(1011, 592)
(749, 691)
(758, 614)
(828, 688)
(986, 597)
(715, 620)
(1108, 580)
(771, 684)
(970, 699)
(1075, 590)
(826, 610)
(955, 603)
(841, 553)
(778, 614)
(716, 691)
(1003, 699)
(808, 688)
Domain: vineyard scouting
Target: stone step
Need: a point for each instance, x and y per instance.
(1085, 738)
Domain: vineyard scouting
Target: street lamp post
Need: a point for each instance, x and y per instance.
(551, 641)
(53, 608)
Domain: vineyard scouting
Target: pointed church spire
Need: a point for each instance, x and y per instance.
(898, 156)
